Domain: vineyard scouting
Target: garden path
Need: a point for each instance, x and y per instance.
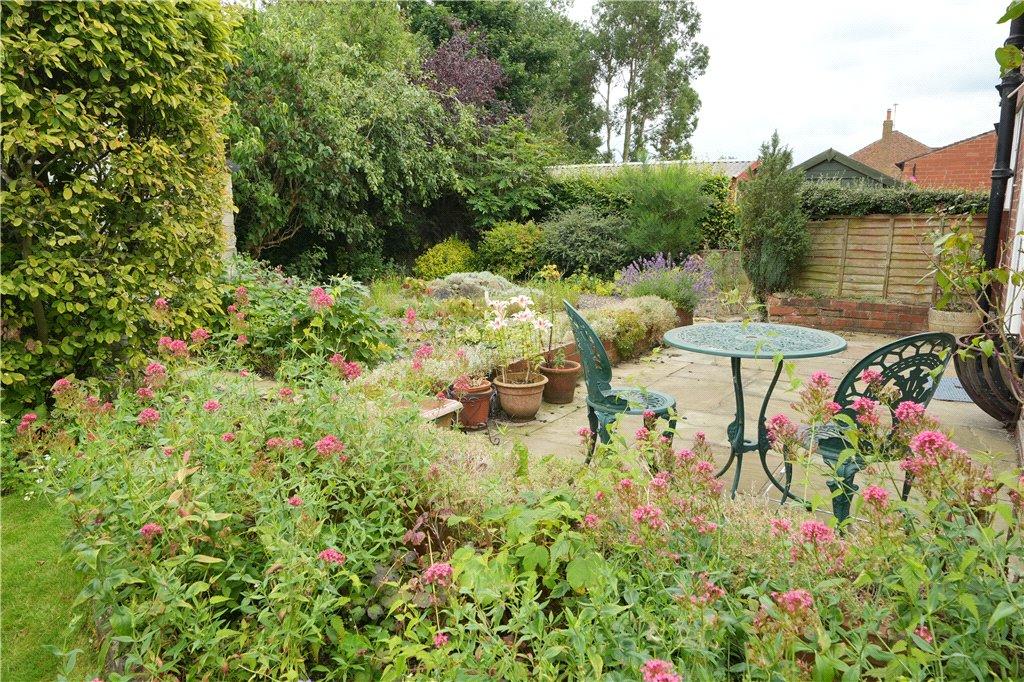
(703, 389)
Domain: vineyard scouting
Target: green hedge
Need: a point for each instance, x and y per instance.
(823, 199)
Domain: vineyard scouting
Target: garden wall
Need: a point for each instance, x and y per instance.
(848, 315)
(874, 256)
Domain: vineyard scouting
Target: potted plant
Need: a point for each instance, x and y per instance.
(957, 268)
(514, 328)
(561, 374)
(475, 395)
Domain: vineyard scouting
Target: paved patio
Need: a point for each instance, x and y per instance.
(702, 386)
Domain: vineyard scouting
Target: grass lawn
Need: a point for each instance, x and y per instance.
(37, 587)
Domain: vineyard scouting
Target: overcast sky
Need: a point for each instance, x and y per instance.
(823, 72)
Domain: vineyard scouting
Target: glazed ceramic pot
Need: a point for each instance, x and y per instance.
(521, 401)
(561, 384)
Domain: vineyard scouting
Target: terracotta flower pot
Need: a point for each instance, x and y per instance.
(955, 322)
(521, 401)
(561, 382)
(685, 317)
(476, 404)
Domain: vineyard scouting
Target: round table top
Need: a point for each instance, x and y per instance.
(757, 340)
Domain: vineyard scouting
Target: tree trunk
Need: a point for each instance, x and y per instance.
(608, 117)
(627, 125)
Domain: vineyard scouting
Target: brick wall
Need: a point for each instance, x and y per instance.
(962, 165)
(837, 314)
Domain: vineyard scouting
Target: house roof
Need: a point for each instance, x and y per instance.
(849, 162)
(727, 167)
(883, 154)
(945, 146)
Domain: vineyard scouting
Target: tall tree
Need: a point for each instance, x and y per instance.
(650, 49)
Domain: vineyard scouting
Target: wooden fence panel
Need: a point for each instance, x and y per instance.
(874, 256)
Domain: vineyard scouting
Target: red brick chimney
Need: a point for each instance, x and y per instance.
(887, 125)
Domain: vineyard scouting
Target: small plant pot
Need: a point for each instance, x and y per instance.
(520, 401)
(561, 384)
(954, 322)
(476, 405)
(685, 317)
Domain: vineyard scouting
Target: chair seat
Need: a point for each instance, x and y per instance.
(639, 401)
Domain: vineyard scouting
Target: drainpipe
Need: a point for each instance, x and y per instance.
(1001, 172)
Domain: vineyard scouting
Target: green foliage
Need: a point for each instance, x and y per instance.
(472, 285)
(675, 286)
(821, 200)
(451, 255)
(718, 228)
(585, 238)
(668, 207)
(113, 183)
(511, 249)
(277, 316)
(603, 192)
(506, 179)
(334, 140)
(773, 228)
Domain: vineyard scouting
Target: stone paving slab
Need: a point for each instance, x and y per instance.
(703, 388)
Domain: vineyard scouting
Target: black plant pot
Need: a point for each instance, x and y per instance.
(988, 380)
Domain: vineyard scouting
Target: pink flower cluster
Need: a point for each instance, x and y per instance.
(439, 574)
(145, 392)
(707, 592)
(161, 304)
(871, 377)
(819, 543)
(781, 527)
(657, 670)
(876, 496)
(332, 556)
(650, 515)
(26, 422)
(319, 299)
(794, 602)
(591, 521)
(440, 639)
(781, 430)
(867, 411)
(61, 386)
(410, 317)
(909, 413)
(212, 405)
(295, 501)
(151, 530)
(228, 437)
(820, 380)
(330, 445)
(585, 434)
(928, 449)
(643, 433)
(148, 417)
(278, 442)
(199, 335)
(350, 370)
(173, 347)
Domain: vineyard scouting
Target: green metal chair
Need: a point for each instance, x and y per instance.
(915, 365)
(604, 401)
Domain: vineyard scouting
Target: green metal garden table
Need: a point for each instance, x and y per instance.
(754, 341)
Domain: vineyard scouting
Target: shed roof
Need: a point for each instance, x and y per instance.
(835, 157)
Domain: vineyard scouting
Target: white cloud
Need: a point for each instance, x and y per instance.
(823, 73)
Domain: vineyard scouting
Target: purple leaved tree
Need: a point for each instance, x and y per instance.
(461, 71)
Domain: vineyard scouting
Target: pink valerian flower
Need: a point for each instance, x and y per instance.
(924, 633)
(928, 449)
(1017, 496)
(704, 467)
(876, 496)
(228, 437)
(831, 409)
(439, 574)
(591, 521)
(909, 413)
(650, 515)
(319, 299)
(297, 443)
(585, 434)
(145, 392)
(349, 369)
(684, 456)
(285, 393)
(332, 556)
(295, 501)
(148, 417)
(199, 335)
(423, 352)
(61, 386)
(657, 670)
(703, 526)
(161, 304)
(242, 340)
(659, 484)
(440, 639)
(820, 380)
(151, 530)
(707, 592)
(781, 430)
(871, 377)
(242, 296)
(410, 316)
(867, 411)
(781, 527)
(625, 485)
(211, 405)
(173, 347)
(794, 602)
(26, 422)
(417, 365)
(243, 373)
(274, 443)
(816, 532)
(329, 445)
(643, 433)
(93, 404)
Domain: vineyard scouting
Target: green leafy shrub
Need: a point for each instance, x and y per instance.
(451, 255)
(584, 238)
(821, 200)
(511, 249)
(718, 228)
(602, 192)
(633, 325)
(283, 318)
(773, 228)
(113, 183)
(667, 210)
